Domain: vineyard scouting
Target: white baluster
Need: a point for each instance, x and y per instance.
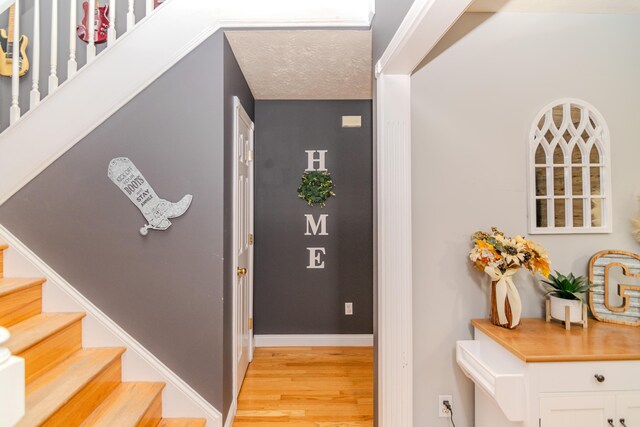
(111, 37)
(91, 28)
(34, 98)
(14, 112)
(72, 64)
(53, 74)
(131, 17)
(148, 7)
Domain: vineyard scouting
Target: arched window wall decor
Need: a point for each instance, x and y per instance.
(569, 170)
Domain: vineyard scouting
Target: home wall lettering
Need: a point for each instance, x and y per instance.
(316, 227)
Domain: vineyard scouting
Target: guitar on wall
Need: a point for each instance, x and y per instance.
(6, 49)
(101, 23)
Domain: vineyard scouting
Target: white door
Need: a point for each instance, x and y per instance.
(579, 410)
(243, 243)
(628, 410)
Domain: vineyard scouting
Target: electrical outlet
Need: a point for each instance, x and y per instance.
(348, 308)
(443, 411)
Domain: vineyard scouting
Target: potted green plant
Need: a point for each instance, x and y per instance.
(566, 291)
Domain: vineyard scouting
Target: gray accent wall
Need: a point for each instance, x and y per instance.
(473, 104)
(166, 289)
(289, 298)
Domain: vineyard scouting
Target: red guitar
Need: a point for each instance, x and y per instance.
(101, 23)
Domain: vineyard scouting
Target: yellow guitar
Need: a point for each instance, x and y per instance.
(6, 49)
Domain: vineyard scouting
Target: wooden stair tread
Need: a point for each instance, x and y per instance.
(182, 422)
(9, 285)
(125, 406)
(29, 332)
(56, 387)
(65, 384)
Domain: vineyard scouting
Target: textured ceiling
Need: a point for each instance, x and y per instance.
(301, 64)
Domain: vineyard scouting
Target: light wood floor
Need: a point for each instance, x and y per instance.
(308, 387)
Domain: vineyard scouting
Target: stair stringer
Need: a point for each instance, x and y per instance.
(179, 400)
(137, 59)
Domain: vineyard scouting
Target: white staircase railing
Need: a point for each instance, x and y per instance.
(34, 33)
(34, 95)
(14, 110)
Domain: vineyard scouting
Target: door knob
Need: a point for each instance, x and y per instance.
(599, 378)
(241, 271)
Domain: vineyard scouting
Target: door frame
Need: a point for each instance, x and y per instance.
(239, 110)
(422, 28)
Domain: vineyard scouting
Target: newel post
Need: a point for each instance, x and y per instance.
(5, 353)
(12, 380)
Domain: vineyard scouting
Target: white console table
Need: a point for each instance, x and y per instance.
(540, 375)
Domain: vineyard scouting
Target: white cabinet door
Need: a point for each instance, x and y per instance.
(628, 410)
(578, 410)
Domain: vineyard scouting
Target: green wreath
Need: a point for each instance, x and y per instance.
(316, 187)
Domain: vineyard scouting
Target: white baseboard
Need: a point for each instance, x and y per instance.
(232, 414)
(320, 340)
(179, 400)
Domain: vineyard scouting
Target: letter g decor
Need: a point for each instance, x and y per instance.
(156, 211)
(626, 311)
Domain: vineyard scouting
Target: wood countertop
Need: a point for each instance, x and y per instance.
(535, 341)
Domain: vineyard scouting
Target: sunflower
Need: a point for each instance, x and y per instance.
(514, 251)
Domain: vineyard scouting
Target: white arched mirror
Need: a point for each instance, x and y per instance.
(569, 170)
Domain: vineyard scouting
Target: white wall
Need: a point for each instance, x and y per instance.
(473, 105)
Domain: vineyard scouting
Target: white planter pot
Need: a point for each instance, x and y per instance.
(558, 306)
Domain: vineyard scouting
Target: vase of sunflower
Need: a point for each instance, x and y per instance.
(500, 257)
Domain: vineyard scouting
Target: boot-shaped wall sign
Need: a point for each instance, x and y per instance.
(156, 211)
